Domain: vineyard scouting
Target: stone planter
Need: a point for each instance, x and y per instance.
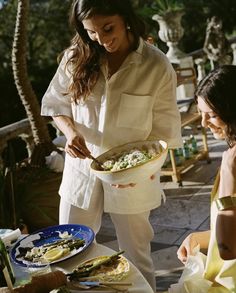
(171, 32)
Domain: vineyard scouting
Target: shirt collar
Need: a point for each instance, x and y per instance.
(136, 56)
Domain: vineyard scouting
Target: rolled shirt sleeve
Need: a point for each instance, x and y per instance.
(56, 101)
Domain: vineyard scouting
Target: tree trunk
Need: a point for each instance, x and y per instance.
(35, 197)
(42, 140)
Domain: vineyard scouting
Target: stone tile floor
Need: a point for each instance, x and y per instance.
(186, 209)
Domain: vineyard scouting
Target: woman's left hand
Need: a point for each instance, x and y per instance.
(227, 173)
(128, 185)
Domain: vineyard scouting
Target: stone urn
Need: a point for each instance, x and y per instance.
(171, 32)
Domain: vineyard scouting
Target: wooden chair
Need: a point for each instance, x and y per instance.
(190, 117)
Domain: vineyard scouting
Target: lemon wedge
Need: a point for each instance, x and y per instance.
(54, 254)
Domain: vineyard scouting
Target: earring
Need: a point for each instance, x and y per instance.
(128, 27)
(229, 142)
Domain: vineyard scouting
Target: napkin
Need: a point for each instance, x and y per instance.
(10, 237)
(192, 280)
(55, 161)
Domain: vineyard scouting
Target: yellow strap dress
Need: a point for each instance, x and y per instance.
(221, 272)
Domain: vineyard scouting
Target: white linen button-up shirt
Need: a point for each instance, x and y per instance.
(138, 102)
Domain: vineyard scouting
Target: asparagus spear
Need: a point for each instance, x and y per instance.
(84, 270)
(70, 243)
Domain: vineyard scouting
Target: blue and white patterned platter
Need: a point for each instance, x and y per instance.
(50, 235)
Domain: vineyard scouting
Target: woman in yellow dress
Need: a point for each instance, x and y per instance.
(216, 101)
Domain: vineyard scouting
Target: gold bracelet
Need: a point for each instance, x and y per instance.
(225, 202)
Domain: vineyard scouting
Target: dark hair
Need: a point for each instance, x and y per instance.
(218, 89)
(85, 57)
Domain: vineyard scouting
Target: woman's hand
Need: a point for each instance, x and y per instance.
(187, 248)
(190, 242)
(75, 145)
(227, 173)
(130, 184)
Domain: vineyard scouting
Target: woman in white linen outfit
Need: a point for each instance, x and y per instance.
(123, 92)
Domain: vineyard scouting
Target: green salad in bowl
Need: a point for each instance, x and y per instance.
(131, 162)
(129, 159)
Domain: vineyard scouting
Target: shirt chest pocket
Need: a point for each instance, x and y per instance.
(87, 113)
(135, 112)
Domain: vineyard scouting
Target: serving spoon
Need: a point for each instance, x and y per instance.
(91, 157)
(86, 285)
(96, 161)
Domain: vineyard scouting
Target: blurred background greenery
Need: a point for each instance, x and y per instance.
(49, 34)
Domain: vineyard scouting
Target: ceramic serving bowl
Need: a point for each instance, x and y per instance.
(136, 173)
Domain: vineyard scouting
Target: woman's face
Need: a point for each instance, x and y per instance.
(109, 31)
(211, 120)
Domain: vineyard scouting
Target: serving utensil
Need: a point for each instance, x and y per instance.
(116, 286)
(96, 161)
(93, 158)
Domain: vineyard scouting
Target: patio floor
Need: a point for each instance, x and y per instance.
(186, 210)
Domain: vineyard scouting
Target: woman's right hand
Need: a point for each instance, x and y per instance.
(190, 242)
(187, 248)
(76, 147)
(75, 144)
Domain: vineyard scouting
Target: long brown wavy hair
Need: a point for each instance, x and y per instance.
(218, 90)
(85, 54)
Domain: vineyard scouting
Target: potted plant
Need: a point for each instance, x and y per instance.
(168, 14)
(28, 196)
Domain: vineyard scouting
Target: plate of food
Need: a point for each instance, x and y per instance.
(102, 268)
(51, 245)
(130, 162)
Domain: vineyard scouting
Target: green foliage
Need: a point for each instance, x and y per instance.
(162, 7)
(48, 36)
(145, 12)
(195, 27)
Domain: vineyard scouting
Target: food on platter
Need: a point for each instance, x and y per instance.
(129, 159)
(50, 251)
(51, 245)
(102, 268)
